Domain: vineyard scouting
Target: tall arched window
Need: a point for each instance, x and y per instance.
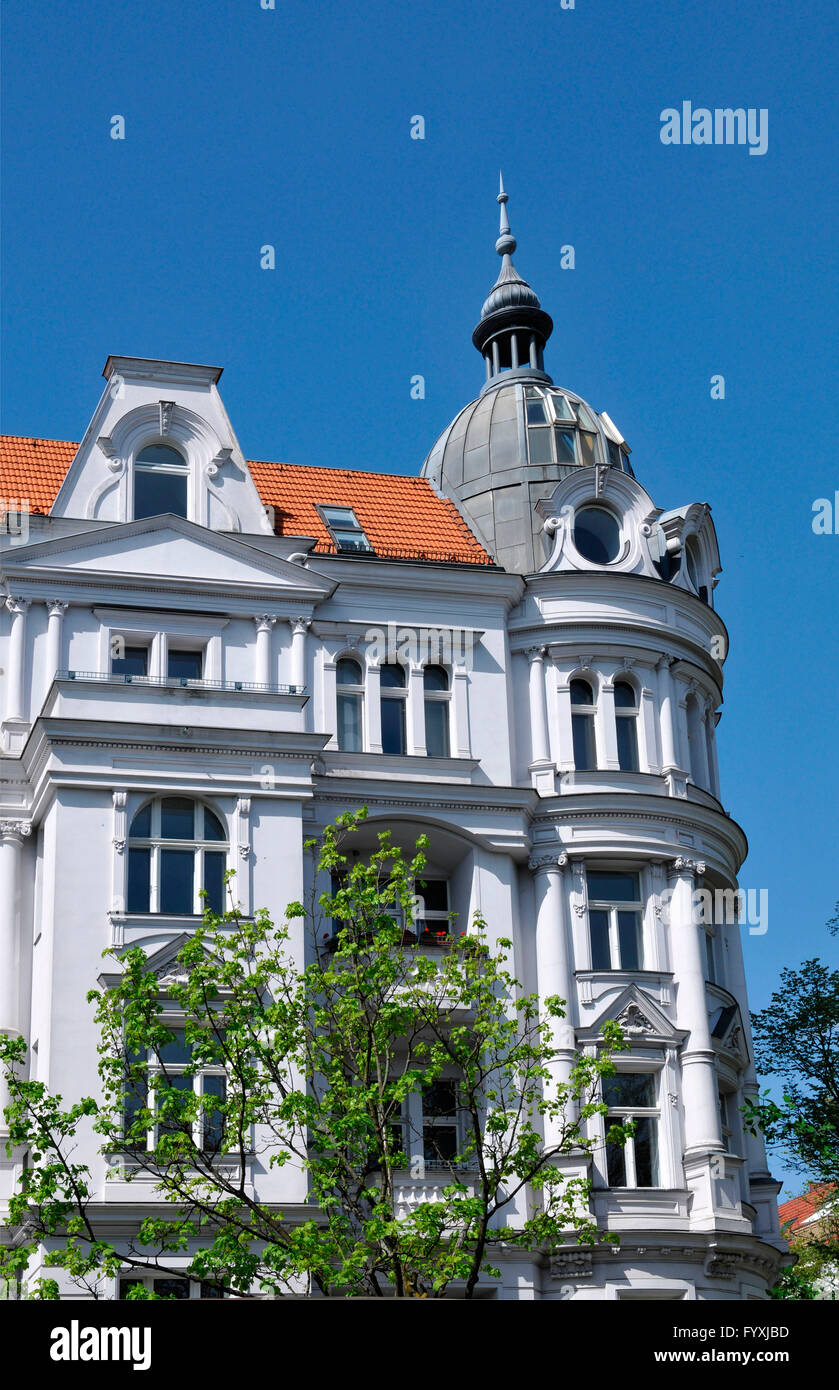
(393, 700)
(436, 694)
(161, 480)
(350, 679)
(626, 724)
(582, 725)
(176, 848)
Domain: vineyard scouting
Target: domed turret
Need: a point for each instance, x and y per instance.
(509, 448)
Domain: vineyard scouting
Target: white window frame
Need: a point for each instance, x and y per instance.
(175, 471)
(155, 842)
(357, 690)
(619, 1114)
(627, 714)
(613, 908)
(391, 692)
(588, 712)
(440, 697)
(156, 1068)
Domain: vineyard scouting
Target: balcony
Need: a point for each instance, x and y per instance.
(180, 683)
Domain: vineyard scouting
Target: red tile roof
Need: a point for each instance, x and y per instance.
(402, 517)
(797, 1210)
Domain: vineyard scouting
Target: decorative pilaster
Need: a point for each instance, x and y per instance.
(56, 609)
(541, 767)
(299, 628)
(264, 624)
(460, 698)
(605, 717)
(554, 963)
(18, 608)
(12, 835)
(241, 884)
(702, 1122)
(415, 721)
(667, 715)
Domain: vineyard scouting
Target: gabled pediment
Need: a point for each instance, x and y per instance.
(163, 963)
(641, 1020)
(166, 548)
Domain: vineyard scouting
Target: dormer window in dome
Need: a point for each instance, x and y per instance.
(161, 482)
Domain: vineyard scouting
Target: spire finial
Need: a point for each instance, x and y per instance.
(506, 243)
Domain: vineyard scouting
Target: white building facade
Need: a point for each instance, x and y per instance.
(196, 677)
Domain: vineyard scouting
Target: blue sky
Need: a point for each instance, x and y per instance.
(291, 127)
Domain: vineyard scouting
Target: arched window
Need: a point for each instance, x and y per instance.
(393, 699)
(161, 479)
(176, 849)
(626, 725)
(582, 725)
(350, 679)
(435, 682)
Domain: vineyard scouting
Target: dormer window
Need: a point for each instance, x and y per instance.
(345, 528)
(161, 482)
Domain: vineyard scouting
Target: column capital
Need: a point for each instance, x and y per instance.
(57, 607)
(299, 625)
(535, 653)
(264, 621)
(541, 860)
(666, 661)
(683, 865)
(15, 830)
(17, 605)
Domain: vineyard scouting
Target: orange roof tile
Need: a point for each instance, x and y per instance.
(402, 517)
(796, 1211)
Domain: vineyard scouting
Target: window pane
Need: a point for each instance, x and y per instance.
(613, 888)
(646, 1152)
(582, 730)
(141, 824)
(210, 1290)
(172, 1288)
(627, 745)
(213, 828)
(349, 723)
(135, 1099)
(581, 693)
(393, 677)
(434, 893)
(177, 818)
(596, 535)
(348, 672)
(184, 665)
(435, 678)
(340, 516)
(710, 972)
(161, 453)
(562, 409)
(139, 880)
(599, 929)
(215, 1088)
(540, 445)
(440, 1099)
(624, 695)
(615, 1161)
(214, 867)
(350, 540)
(393, 726)
(177, 889)
(587, 449)
(630, 1089)
(135, 662)
(177, 1052)
(155, 493)
(440, 1143)
(535, 413)
(565, 447)
(629, 937)
(437, 728)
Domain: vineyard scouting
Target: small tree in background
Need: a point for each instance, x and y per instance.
(312, 1068)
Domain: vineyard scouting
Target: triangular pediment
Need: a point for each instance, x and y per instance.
(171, 549)
(641, 1020)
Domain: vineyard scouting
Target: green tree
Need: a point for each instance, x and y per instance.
(319, 1063)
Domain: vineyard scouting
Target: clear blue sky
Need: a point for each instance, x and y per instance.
(291, 127)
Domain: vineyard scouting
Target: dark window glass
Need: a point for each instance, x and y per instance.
(135, 1099)
(155, 493)
(582, 732)
(434, 893)
(393, 726)
(348, 672)
(596, 535)
(440, 1143)
(435, 678)
(615, 1159)
(393, 677)
(171, 1118)
(141, 824)
(599, 928)
(176, 1052)
(587, 449)
(624, 695)
(535, 413)
(213, 828)
(349, 723)
(139, 880)
(614, 454)
(581, 693)
(176, 881)
(439, 1104)
(172, 1288)
(184, 666)
(627, 745)
(215, 1089)
(214, 866)
(629, 1089)
(135, 662)
(612, 887)
(210, 1290)
(646, 1151)
(565, 446)
(437, 728)
(628, 934)
(177, 818)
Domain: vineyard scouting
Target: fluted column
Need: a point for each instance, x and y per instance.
(17, 656)
(56, 609)
(264, 625)
(605, 717)
(12, 835)
(699, 1077)
(554, 964)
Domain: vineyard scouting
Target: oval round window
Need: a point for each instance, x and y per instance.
(596, 535)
